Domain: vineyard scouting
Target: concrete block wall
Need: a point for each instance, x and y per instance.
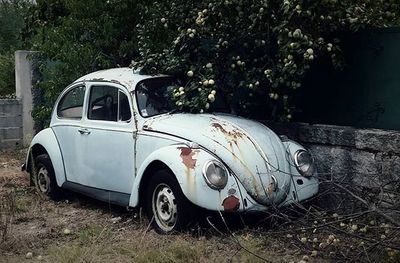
(347, 150)
(367, 160)
(10, 124)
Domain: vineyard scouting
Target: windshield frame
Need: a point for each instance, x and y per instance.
(136, 96)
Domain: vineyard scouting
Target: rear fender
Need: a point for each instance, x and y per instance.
(47, 139)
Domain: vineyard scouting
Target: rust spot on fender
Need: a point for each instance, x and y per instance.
(187, 157)
(231, 203)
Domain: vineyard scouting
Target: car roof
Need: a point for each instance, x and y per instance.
(124, 76)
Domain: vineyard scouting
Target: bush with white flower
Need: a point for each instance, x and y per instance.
(248, 53)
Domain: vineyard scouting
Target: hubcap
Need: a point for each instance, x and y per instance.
(164, 207)
(43, 180)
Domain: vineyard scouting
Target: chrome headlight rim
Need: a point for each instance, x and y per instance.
(311, 170)
(223, 167)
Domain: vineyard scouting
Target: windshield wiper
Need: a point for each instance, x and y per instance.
(174, 111)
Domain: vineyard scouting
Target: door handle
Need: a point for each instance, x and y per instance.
(84, 131)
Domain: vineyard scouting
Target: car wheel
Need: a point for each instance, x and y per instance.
(167, 206)
(44, 178)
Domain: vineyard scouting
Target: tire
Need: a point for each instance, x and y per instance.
(166, 205)
(44, 178)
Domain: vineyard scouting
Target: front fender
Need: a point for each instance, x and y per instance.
(301, 188)
(187, 165)
(47, 139)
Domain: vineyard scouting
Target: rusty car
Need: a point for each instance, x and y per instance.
(115, 135)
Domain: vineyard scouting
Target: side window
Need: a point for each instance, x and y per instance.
(103, 103)
(108, 104)
(71, 105)
(124, 108)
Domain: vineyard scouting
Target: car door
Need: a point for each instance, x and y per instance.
(107, 139)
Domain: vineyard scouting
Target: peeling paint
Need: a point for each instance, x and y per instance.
(187, 157)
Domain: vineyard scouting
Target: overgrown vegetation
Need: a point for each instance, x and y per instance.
(78, 37)
(249, 55)
(11, 24)
(358, 227)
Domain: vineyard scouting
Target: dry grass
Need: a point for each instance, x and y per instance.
(38, 226)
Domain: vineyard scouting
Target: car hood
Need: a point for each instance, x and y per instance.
(253, 152)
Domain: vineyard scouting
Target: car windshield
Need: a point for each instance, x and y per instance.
(154, 96)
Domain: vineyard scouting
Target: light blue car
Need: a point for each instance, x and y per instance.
(116, 136)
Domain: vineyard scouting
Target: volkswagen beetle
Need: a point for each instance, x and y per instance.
(116, 136)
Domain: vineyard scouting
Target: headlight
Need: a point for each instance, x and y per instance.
(304, 163)
(215, 174)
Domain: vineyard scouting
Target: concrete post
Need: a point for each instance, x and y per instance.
(23, 85)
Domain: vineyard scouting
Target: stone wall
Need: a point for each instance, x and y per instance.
(368, 156)
(10, 123)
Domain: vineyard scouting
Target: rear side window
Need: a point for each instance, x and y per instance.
(108, 104)
(71, 104)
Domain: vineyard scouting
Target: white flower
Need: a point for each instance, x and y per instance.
(354, 227)
(211, 82)
(297, 33)
(209, 65)
(191, 35)
(276, 96)
(257, 83)
(163, 20)
(199, 89)
(314, 253)
(181, 92)
(190, 73)
(211, 97)
(179, 103)
(233, 66)
(213, 92)
(303, 239)
(181, 88)
(201, 111)
(205, 83)
(311, 57)
(189, 30)
(310, 51)
(207, 105)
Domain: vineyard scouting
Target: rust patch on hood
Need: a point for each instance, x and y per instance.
(233, 134)
(187, 157)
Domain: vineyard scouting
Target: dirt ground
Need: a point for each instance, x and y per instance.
(80, 229)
